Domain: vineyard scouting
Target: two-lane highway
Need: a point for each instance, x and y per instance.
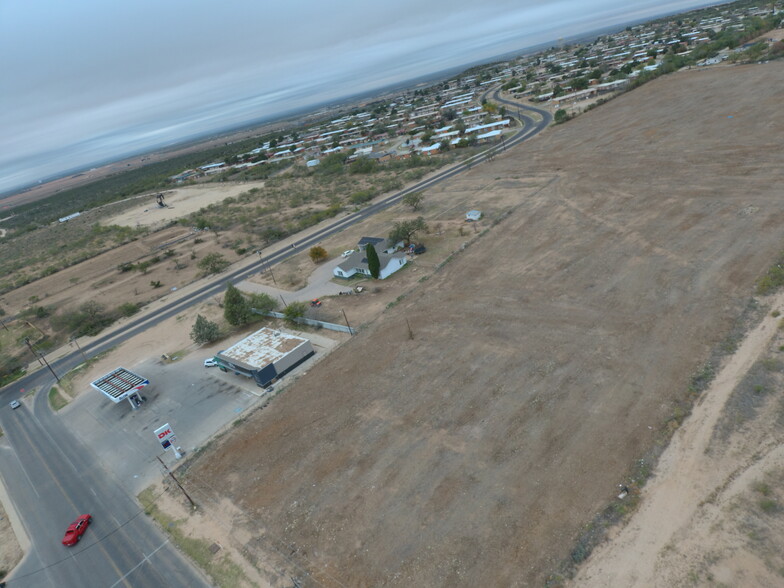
(52, 477)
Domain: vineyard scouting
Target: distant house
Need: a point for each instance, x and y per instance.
(473, 215)
(357, 263)
(186, 175)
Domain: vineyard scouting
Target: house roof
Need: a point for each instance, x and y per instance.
(358, 259)
(372, 240)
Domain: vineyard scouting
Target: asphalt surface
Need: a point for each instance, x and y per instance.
(52, 476)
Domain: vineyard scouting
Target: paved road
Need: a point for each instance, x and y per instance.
(52, 477)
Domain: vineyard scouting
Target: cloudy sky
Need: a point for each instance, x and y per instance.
(85, 81)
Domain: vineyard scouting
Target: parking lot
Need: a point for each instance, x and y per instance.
(197, 402)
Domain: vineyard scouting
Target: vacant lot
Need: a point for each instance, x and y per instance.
(544, 358)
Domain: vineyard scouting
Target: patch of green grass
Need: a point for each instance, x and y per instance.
(769, 506)
(223, 571)
(56, 400)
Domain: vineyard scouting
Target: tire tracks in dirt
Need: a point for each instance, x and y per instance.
(685, 478)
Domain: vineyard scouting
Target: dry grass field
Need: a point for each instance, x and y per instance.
(546, 359)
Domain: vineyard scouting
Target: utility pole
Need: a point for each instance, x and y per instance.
(42, 357)
(176, 481)
(350, 330)
(73, 340)
(35, 355)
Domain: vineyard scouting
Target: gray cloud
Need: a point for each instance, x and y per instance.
(87, 80)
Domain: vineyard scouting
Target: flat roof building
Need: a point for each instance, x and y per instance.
(266, 355)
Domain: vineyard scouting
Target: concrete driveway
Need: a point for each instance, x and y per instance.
(319, 284)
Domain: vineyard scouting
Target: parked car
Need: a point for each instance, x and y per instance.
(347, 253)
(75, 531)
(419, 249)
(210, 362)
(14, 404)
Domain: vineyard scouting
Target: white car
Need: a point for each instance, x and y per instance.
(347, 253)
(14, 404)
(210, 362)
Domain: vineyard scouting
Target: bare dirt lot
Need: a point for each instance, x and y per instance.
(545, 357)
(712, 515)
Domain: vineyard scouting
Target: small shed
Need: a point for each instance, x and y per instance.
(473, 215)
(266, 355)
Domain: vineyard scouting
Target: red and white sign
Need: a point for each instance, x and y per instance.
(165, 435)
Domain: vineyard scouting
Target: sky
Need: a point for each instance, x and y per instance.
(88, 81)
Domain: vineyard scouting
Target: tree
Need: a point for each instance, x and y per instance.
(374, 265)
(236, 310)
(294, 311)
(414, 200)
(579, 83)
(204, 331)
(263, 302)
(318, 254)
(213, 263)
(561, 116)
(405, 230)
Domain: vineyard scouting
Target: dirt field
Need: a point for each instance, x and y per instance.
(180, 202)
(545, 357)
(712, 515)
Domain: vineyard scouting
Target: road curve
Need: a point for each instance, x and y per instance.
(51, 476)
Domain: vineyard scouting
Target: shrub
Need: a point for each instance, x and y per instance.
(263, 302)
(128, 308)
(204, 331)
(294, 311)
(213, 263)
(318, 254)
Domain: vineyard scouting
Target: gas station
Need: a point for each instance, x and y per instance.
(120, 384)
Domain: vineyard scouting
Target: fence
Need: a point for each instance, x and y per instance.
(307, 321)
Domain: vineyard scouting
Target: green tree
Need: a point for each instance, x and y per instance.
(561, 116)
(374, 265)
(294, 311)
(204, 331)
(318, 254)
(414, 200)
(262, 302)
(213, 263)
(236, 310)
(579, 83)
(405, 230)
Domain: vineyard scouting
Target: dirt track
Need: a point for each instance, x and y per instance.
(545, 356)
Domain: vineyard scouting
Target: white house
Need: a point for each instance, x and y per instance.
(357, 263)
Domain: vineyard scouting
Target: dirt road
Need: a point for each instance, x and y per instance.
(687, 479)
